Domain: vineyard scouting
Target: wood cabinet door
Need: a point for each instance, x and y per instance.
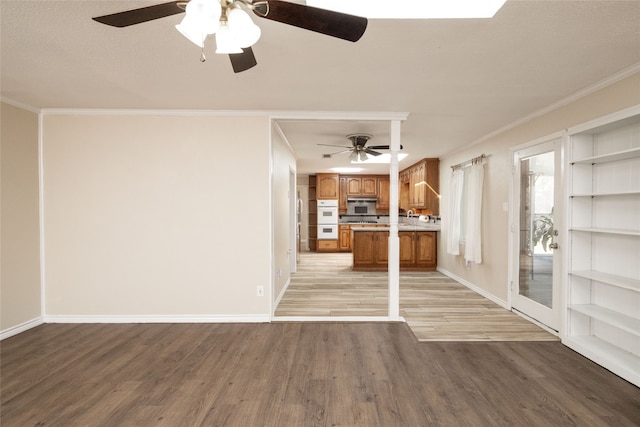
(381, 242)
(354, 186)
(432, 177)
(327, 186)
(342, 199)
(407, 248)
(363, 248)
(426, 253)
(383, 193)
(369, 186)
(344, 238)
(419, 186)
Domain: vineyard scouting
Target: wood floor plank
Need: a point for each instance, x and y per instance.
(293, 374)
(436, 307)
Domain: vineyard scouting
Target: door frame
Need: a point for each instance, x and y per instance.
(549, 319)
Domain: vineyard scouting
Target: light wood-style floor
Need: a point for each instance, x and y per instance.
(435, 307)
(293, 374)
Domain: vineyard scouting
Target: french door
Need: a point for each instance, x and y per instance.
(535, 232)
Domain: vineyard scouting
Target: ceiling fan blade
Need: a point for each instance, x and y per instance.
(335, 24)
(331, 145)
(371, 152)
(143, 14)
(243, 61)
(337, 152)
(382, 147)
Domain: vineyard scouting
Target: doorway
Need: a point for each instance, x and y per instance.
(536, 224)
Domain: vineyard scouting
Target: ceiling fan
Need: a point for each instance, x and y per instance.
(234, 30)
(359, 150)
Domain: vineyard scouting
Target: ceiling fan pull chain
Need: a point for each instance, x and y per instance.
(202, 57)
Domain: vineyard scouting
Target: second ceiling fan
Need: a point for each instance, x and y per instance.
(358, 149)
(234, 30)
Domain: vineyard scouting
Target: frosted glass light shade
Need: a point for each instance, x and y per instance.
(244, 31)
(226, 42)
(202, 18)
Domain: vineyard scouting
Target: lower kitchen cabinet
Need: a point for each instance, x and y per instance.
(327, 246)
(370, 249)
(417, 250)
(344, 238)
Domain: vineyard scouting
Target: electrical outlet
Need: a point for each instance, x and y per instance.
(260, 291)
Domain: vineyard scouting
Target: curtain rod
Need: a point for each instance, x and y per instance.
(470, 162)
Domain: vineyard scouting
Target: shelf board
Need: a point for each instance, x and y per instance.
(610, 279)
(606, 231)
(620, 321)
(618, 361)
(609, 194)
(611, 157)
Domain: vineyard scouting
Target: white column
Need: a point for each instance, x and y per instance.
(394, 241)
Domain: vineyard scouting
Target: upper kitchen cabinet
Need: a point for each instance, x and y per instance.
(362, 186)
(420, 187)
(327, 186)
(383, 200)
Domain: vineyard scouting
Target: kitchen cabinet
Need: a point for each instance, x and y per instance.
(362, 185)
(327, 186)
(313, 214)
(342, 199)
(370, 249)
(344, 238)
(603, 244)
(327, 246)
(420, 186)
(418, 250)
(383, 200)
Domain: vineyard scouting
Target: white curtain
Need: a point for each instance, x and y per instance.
(454, 211)
(473, 249)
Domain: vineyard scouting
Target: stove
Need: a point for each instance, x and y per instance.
(362, 222)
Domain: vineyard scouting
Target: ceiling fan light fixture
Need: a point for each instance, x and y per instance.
(226, 42)
(245, 32)
(201, 19)
(353, 156)
(363, 156)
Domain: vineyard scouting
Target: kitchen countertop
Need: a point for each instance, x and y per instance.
(402, 227)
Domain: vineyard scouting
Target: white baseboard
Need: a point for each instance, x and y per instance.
(284, 289)
(249, 318)
(476, 289)
(15, 330)
(337, 319)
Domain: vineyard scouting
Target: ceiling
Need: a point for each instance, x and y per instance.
(458, 80)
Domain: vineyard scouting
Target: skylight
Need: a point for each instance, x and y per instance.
(413, 9)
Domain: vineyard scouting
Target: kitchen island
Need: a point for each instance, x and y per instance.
(418, 248)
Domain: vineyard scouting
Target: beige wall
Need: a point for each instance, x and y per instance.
(156, 216)
(20, 298)
(283, 163)
(492, 275)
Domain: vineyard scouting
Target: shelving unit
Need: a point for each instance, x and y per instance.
(602, 317)
(313, 214)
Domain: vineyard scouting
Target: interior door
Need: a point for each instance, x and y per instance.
(536, 223)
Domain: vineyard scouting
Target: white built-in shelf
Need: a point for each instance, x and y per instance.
(608, 194)
(610, 279)
(613, 318)
(601, 320)
(615, 359)
(606, 231)
(611, 157)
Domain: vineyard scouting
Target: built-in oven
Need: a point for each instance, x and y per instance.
(327, 231)
(327, 212)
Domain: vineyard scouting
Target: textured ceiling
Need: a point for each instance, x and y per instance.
(459, 80)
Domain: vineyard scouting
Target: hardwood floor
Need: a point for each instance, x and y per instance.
(435, 307)
(297, 374)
